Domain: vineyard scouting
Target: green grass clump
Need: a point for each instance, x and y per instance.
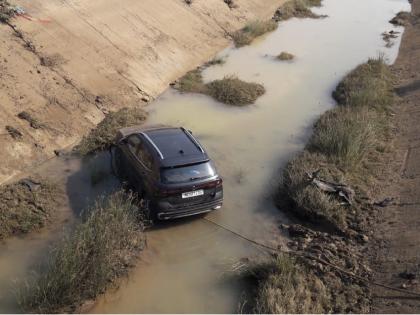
(369, 85)
(233, 91)
(345, 136)
(229, 90)
(26, 208)
(217, 61)
(402, 18)
(253, 30)
(344, 146)
(103, 136)
(308, 201)
(298, 9)
(286, 287)
(285, 56)
(6, 11)
(191, 82)
(87, 262)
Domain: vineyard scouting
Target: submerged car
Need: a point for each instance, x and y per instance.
(169, 168)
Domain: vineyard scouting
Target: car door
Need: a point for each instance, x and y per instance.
(136, 170)
(147, 164)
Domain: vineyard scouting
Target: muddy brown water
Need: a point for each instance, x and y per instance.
(185, 267)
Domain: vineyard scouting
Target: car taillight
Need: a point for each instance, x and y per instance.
(168, 192)
(215, 184)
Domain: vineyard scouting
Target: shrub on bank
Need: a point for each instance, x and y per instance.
(103, 135)
(308, 201)
(284, 286)
(86, 262)
(26, 205)
(369, 85)
(343, 141)
(285, 56)
(6, 11)
(251, 31)
(233, 91)
(297, 8)
(229, 90)
(345, 136)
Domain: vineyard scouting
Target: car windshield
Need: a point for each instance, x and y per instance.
(188, 173)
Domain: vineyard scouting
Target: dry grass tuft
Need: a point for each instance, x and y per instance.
(191, 82)
(26, 205)
(402, 18)
(369, 85)
(102, 137)
(233, 91)
(229, 90)
(33, 122)
(344, 141)
(285, 56)
(285, 286)
(88, 261)
(6, 11)
(253, 30)
(345, 135)
(298, 9)
(308, 202)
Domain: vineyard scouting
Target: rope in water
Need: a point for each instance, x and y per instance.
(348, 273)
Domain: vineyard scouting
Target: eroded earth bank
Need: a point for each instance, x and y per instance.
(67, 63)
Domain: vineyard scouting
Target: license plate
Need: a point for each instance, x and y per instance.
(192, 194)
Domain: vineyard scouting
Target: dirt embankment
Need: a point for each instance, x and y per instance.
(397, 248)
(64, 64)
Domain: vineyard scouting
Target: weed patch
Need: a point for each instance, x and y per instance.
(253, 30)
(191, 82)
(14, 133)
(298, 9)
(345, 136)
(6, 11)
(89, 260)
(344, 145)
(369, 85)
(215, 61)
(33, 122)
(286, 286)
(26, 206)
(230, 90)
(401, 19)
(285, 56)
(102, 137)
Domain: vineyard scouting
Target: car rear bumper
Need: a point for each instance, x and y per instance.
(189, 210)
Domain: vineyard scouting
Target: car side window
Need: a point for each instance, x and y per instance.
(145, 157)
(137, 147)
(134, 143)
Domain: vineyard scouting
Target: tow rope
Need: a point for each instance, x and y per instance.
(276, 250)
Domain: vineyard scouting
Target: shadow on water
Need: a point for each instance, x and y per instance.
(93, 179)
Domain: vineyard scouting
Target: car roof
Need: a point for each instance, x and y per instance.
(170, 146)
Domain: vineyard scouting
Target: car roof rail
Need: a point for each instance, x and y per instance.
(190, 136)
(153, 144)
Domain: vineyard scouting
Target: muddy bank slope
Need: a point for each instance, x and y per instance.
(397, 246)
(65, 63)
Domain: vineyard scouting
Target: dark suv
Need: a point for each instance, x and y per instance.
(168, 167)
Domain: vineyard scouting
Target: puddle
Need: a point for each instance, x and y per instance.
(182, 269)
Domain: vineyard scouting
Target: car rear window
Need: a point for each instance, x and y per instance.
(188, 173)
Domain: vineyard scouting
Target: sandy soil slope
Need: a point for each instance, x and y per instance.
(397, 245)
(67, 62)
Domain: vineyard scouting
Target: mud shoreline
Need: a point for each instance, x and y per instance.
(394, 251)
